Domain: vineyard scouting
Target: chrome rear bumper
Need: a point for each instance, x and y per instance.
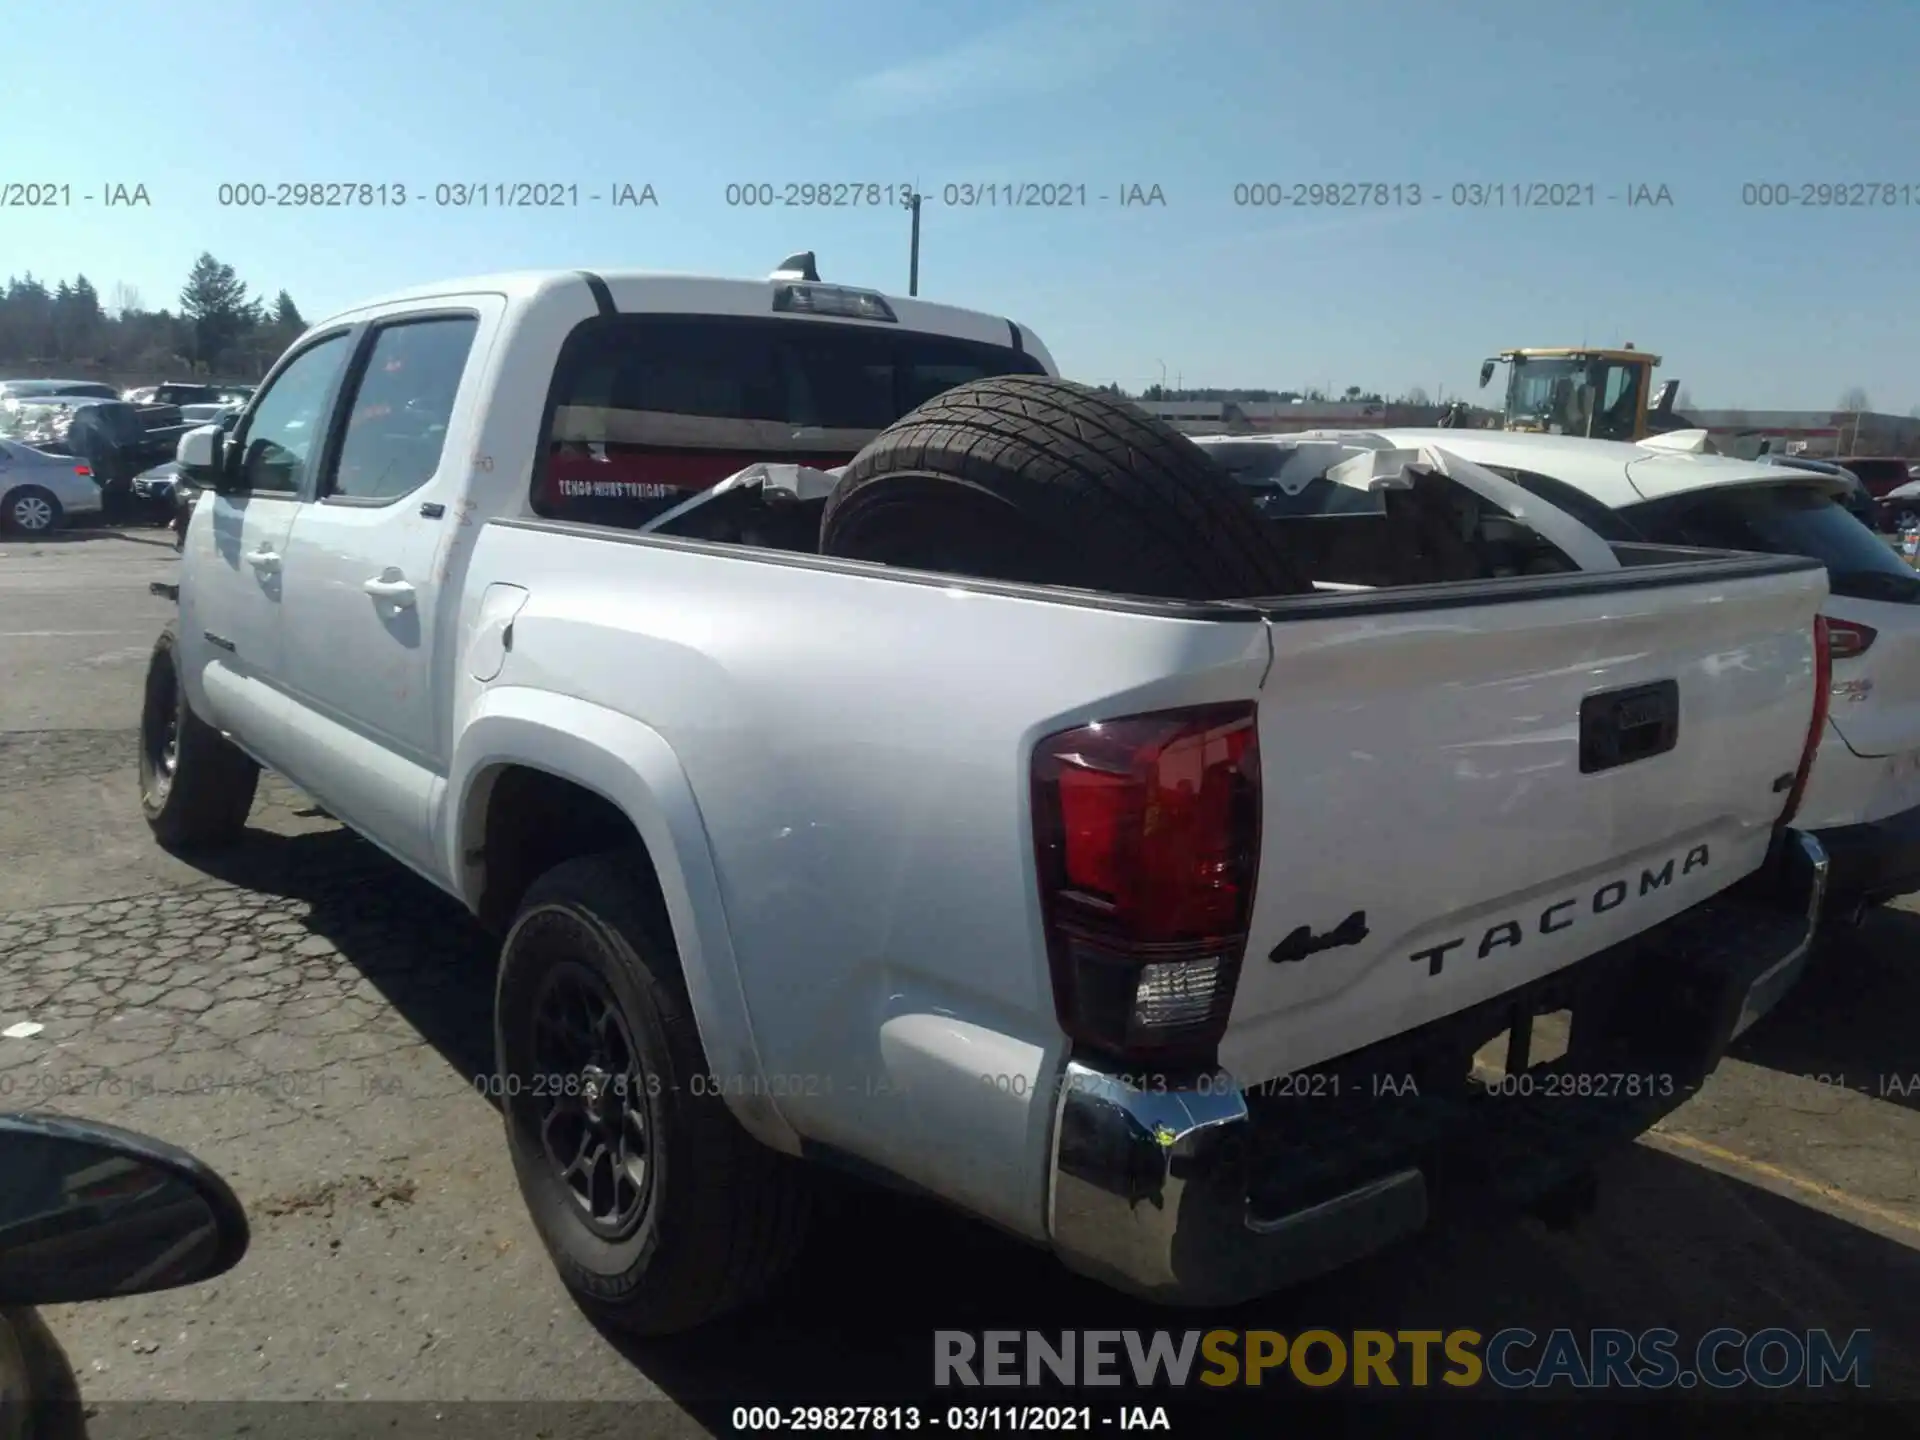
(1188, 1193)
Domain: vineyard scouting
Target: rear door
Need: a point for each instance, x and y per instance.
(1498, 790)
(1876, 702)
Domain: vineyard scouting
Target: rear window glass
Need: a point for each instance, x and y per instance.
(650, 410)
(1604, 521)
(1784, 520)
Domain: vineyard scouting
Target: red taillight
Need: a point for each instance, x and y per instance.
(1147, 835)
(85, 472)
(1848, 638)
(1822, 694)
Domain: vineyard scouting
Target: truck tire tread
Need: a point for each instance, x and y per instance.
(1114, 498)
(204, 803)
(733, 1214)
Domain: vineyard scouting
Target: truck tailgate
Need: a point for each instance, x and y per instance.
(1500, 788)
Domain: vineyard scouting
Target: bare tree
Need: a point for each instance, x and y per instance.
(126, 300)
(1855, 400)
(1415, 396)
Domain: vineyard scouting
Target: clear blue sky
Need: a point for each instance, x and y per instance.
(1751, 307)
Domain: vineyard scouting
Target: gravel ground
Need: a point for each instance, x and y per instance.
(312, 1020)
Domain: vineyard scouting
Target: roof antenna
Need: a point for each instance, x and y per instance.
(798, 266)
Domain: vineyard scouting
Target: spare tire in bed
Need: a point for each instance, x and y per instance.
(1030, 478)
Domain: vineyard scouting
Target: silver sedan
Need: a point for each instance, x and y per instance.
(40, 490)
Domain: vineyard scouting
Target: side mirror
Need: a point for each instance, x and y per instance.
(90, 1211)
(202, 453)
(1486, 372)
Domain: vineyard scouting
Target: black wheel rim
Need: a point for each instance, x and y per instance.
(589, 1099)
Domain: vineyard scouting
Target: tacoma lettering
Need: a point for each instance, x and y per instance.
(1562, 913)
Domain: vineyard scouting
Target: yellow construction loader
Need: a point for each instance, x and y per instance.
(1601, 394)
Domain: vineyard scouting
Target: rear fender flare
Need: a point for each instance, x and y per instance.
(633, 766)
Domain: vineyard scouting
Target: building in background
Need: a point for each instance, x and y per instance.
(1818, 433)
(1273, 417)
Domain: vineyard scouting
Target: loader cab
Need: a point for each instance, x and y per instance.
(1599, 394)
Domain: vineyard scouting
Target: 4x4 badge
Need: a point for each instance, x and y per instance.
(1303, 942)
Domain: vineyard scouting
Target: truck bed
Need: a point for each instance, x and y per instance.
(857, 741)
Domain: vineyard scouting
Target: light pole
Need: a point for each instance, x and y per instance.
(913, 255)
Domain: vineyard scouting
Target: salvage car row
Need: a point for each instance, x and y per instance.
(73, 449)
(878, 753)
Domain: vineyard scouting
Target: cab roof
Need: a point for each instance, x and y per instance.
(670, 292)
(1562, 352)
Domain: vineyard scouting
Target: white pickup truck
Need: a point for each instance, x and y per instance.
(1006, 813)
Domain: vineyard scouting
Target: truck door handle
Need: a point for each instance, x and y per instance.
(390, 587)
(266, 561)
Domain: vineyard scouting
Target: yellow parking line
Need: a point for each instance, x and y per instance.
(1676, 1140)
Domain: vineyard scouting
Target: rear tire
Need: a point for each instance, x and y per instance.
(196, 786)
(31, 511)
(677, 1215)
(1033, 479)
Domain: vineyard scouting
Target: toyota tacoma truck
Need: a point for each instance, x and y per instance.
(877, 752)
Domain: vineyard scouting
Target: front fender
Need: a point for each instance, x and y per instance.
(632, 766)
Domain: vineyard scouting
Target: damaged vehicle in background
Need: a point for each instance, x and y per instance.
(183, 393)
(821, 695)
(12, 392)
(1863, 794)
(105, 434)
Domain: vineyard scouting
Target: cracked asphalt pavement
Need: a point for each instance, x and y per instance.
(315, 1023)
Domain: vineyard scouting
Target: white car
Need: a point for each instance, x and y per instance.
(1863, 797)
(40, 490)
